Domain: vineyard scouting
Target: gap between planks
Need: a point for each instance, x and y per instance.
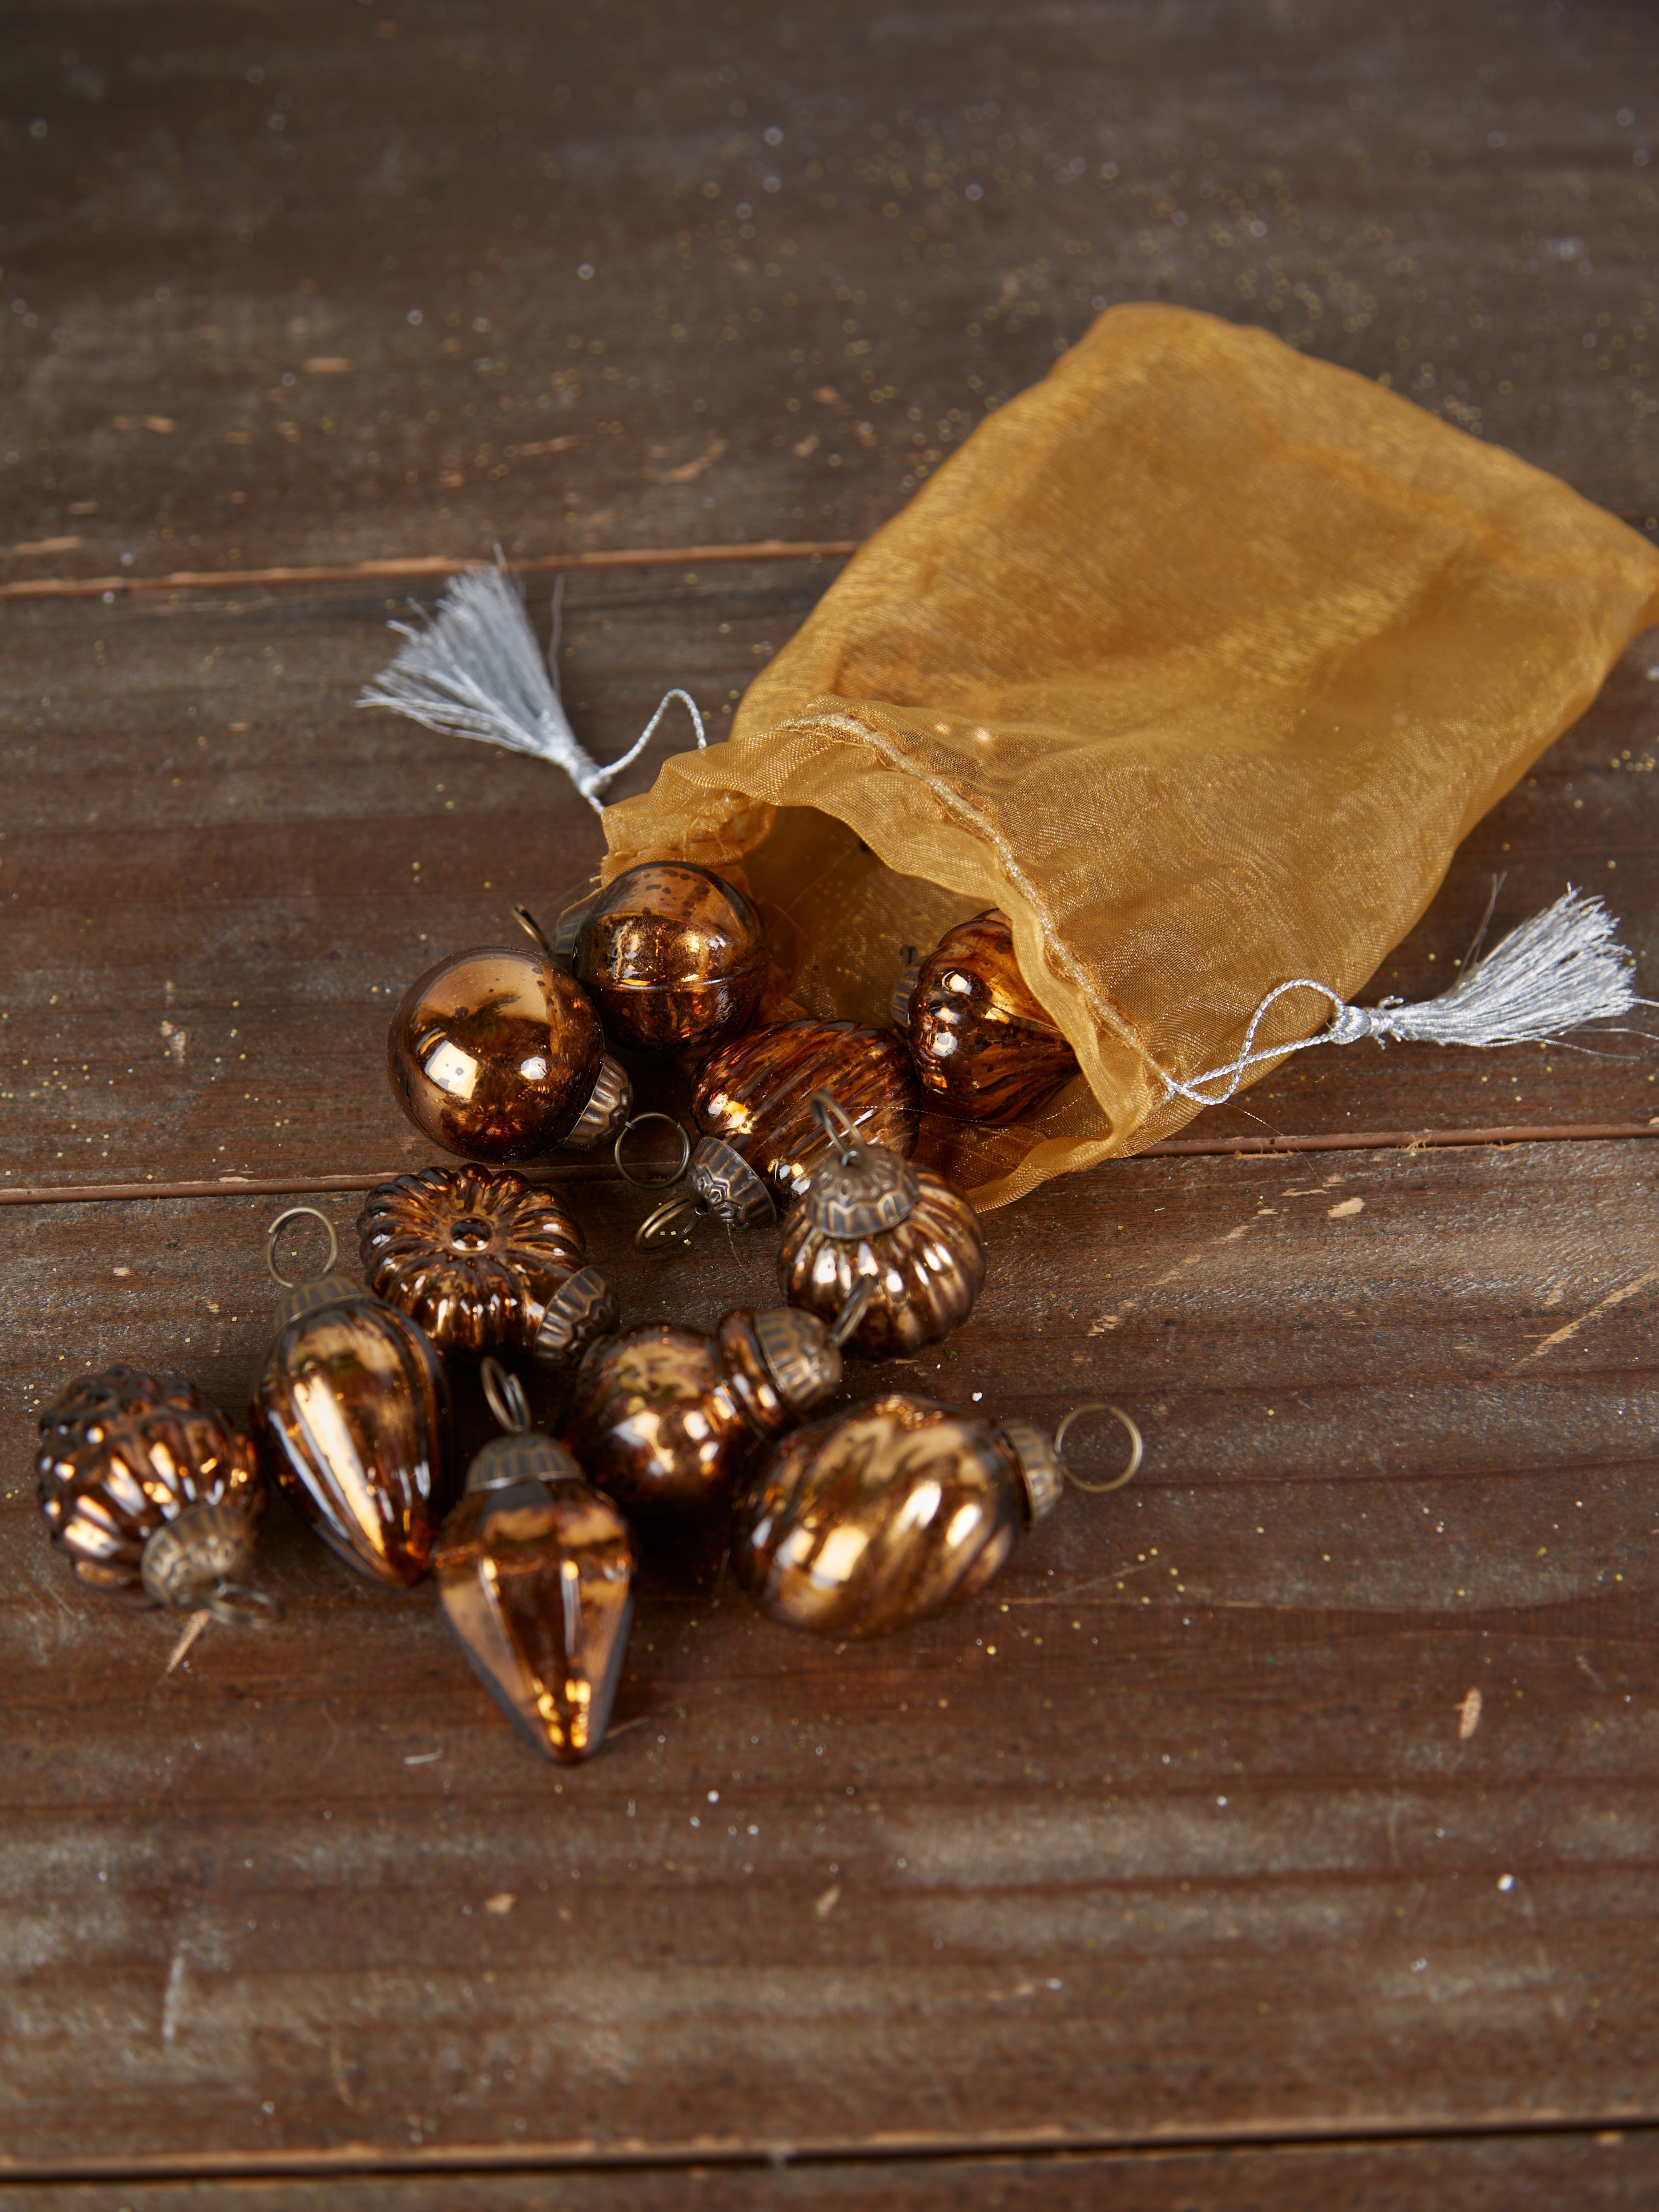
(424, 564)
(1369, 1140)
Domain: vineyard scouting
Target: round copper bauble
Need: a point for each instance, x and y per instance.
(673, 955)
(477, 1256)
(984, 1046)
(877, 1517)
(756, 1095)
(496, 1056)
(666, 1416)
(123, 1455)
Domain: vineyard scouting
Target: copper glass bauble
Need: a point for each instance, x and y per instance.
(666, 1416)
(870, 1221)
(353, 1411)
(984, 1046)
(481, 1258)
(535, 1568)
(498, 1056)
(674, 955)
(147, 1487)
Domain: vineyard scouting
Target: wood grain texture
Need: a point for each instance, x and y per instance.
(1178, 1830)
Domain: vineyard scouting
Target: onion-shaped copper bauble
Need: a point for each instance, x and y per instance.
(479, 1257)
(536, 1569)
(761, 1139)
(498, 1056)
(984, 1046)
(673, 955)
(870, 1220)
(147, 1488)
(666, 1416)
(353, 1411)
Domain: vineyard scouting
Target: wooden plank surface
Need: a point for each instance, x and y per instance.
(1397, 1453)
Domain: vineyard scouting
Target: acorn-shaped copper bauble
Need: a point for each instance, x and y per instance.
(481, 1258)
(666, 1416)
(673, 955)
(151, 1492)
(877, 1517)
(869, 1217)
(984, 1046)
(761, 1139)
(353, 1410)
(499, 1056)
(535, 1568)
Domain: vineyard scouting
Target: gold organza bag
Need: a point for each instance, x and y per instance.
(1198, 660)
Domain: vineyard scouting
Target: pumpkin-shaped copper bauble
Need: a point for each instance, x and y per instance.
(495, 1054)
(667, 1417)
(535, 1569)
(881, 1514)
(870, 1218)
(150, 1489)
(984, 1046)
(673, 955)
(761, 1139)
(353, 1413)
(481, 1258)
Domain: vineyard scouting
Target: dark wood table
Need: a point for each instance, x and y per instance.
(1280, 1831)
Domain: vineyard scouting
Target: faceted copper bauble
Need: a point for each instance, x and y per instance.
(536, 1569)
(477, 1256)
(666, 1416)
(673, 955)
(877, 1517)
(353, 1409)
(755, 1094)
(924, 1271)
(983, 1045)
(496, 1056)
(123, 1455)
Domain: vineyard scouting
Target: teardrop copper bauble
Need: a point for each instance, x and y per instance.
(984, 1046)
(496, 1056)
(755, 1094)
(667, 1417)
(862, 1523)
(475, 1255)
(535, 1569)
(674, 955)
(353, 1411)
(925, 1272)
(123, 1454)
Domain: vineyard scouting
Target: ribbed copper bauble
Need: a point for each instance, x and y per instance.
(481, 1258)
(149, 1488)
(352, 1409)
(984, 1046)
(495, 1054)
(666, 1416)
(871, 1221)
(535, 1569)
(674, 955)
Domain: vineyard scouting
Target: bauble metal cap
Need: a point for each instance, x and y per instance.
(801, 1355)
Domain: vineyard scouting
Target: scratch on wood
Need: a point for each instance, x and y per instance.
(827, 1904)
(172, 2003)
(195, 1624)
(1468, 1715)
(1572, 1327)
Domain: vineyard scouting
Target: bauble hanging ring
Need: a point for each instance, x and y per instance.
(505, 1395)
(652, 1182)
(1136, 1445)
(281, 1222)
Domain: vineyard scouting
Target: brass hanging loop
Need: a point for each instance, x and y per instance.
(505, 1395)
(652, 1182)
(293, 1213)
(847, 1320)
(234, 1607)
(532, 928)
(837, 1125)
(1137, 1446)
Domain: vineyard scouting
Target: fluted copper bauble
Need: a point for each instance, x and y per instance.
(352, 1409)
(666, 1416)
(984, 1046)
(147, 1488)
(496, 1056)
(535, 1568)
(871, 1222)
(674, 955)
(481, 1258)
